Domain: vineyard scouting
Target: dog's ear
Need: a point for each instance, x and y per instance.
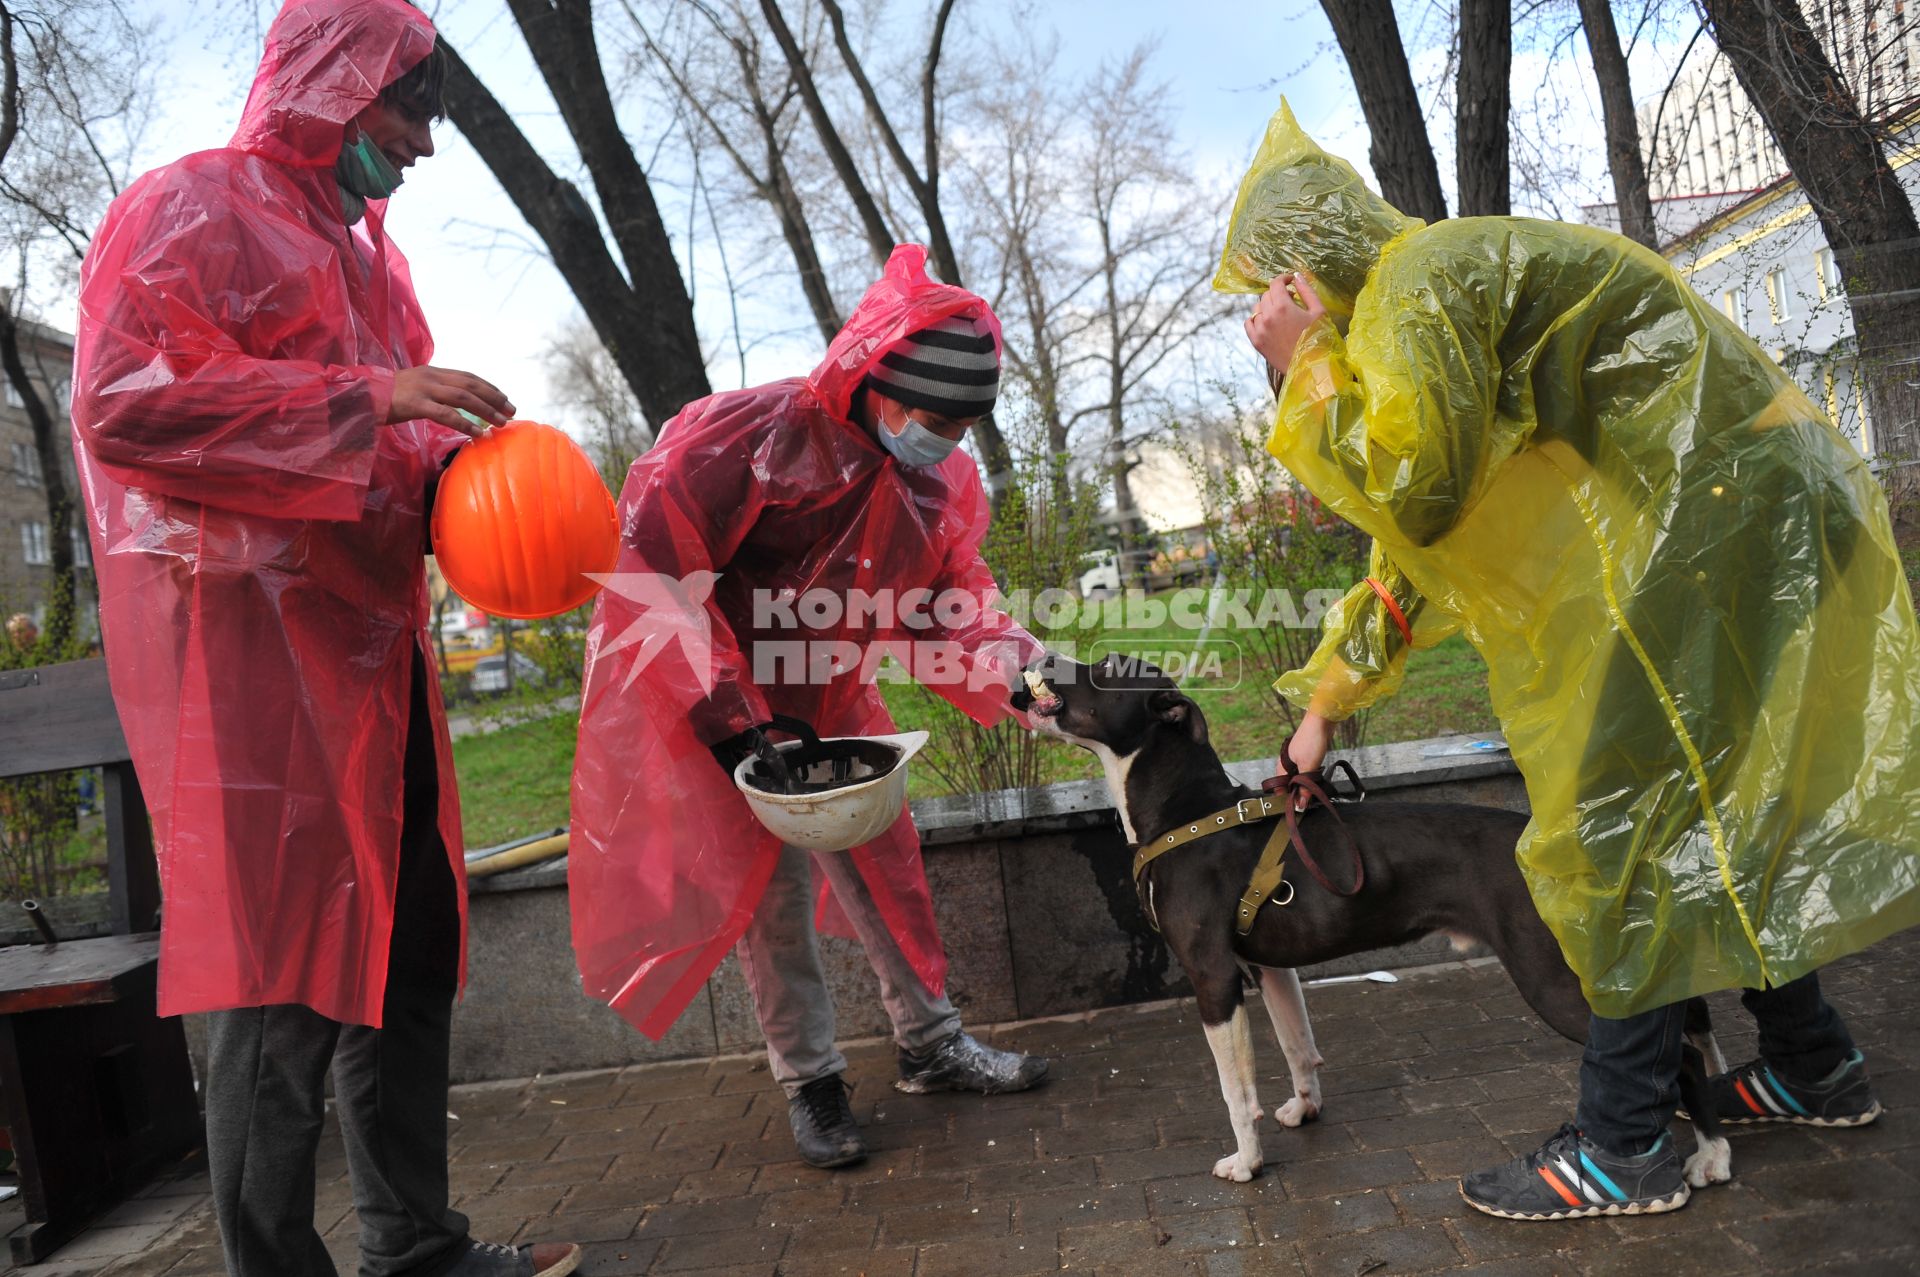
(1171, 707)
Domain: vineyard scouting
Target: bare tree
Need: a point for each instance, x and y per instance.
(589, 385)
(1834, 154)
(1151, 300)
(922, 180)
(70, 112)
(638, 305)
(1624, 159)
(744, 107)
(879, 236)
(1016, 182)
(1085, 218)
(1483, 98)
(1369, 37)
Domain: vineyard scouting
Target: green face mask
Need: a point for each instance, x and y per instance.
(364, 170)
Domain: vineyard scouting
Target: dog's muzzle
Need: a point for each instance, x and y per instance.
(1042, 701)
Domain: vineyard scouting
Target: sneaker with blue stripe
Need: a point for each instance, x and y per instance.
(1570, 1177)
(1754, 1092)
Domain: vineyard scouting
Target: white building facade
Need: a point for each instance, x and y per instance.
(1704, 137)
(1764, 262)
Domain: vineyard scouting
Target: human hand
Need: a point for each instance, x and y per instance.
(1307, 749)
(443, 395)
(734, 750)
(1282, 315)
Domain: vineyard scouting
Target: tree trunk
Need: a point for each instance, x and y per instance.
(879, 237)
(1482, 96)
(795, 229)
(1868, 220)
(1369, 36)
(775, 186)
(1628, 166)
(1119, 470)
(646, 325)
(53, 479)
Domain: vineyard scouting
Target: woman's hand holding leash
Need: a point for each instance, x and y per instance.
(1306, 749)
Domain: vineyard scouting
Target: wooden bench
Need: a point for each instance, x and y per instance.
(98, 1089)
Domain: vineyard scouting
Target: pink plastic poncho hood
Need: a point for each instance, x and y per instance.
(756, 496)
(258, 531)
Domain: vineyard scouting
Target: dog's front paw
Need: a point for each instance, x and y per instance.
(1237, 1168)
(1713, 1164)
(1296, 1111)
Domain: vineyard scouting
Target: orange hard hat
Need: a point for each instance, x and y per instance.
(520, 518)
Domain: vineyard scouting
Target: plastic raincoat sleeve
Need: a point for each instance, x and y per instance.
(1362, 656)
(994, 647)
(1401, 415)
(177, 406)
(699, 503)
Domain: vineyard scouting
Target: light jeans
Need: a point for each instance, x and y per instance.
(780, 954)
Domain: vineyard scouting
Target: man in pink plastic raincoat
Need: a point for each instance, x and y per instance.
(775, 541)
(257, 435)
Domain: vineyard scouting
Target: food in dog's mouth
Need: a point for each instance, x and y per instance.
(1045, 702)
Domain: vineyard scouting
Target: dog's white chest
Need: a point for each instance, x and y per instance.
(1116, 767)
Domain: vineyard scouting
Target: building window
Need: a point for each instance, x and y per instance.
(26, 465)
(1827, 271)
(12, 393)
(1777, 304)
(1735, 306)
(81, 557)
(33, 539)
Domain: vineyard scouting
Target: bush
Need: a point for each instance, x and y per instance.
(1034, 544)
(1270, 535)
(43, 849)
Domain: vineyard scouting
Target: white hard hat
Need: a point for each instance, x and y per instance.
(840, 818)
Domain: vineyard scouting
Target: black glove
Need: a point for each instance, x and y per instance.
(730, 752)
(753, 743)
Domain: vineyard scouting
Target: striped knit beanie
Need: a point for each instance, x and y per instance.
(951, 367)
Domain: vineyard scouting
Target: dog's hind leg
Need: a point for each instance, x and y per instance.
(1232, 1045)
(1712, 1162)
(1699, 1031)
(1287, 1008)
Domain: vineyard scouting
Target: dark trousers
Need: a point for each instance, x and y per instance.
(1628, 1076)
(266, 1075)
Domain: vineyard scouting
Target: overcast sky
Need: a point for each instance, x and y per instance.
(494, 306)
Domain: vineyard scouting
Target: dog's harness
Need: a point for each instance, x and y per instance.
(1278, 798)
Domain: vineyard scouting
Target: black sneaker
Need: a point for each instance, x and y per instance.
(1755, 1093)
(958, 1063)
(823, 1125)
(1569, 1177)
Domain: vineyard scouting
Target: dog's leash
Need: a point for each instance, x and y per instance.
(1278, 798)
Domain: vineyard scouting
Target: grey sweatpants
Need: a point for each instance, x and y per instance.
(780, 954)
(267, 1069)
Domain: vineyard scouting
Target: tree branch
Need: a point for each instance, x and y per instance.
(879, 237)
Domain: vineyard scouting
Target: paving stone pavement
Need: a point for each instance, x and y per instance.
(687, 1167)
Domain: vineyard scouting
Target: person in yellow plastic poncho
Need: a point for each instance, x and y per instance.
(1683, 579)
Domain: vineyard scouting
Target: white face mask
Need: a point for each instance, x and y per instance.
(916, 445)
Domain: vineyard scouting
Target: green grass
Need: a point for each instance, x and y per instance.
(514, 781)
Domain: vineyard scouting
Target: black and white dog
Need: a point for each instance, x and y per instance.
(1430, 867)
